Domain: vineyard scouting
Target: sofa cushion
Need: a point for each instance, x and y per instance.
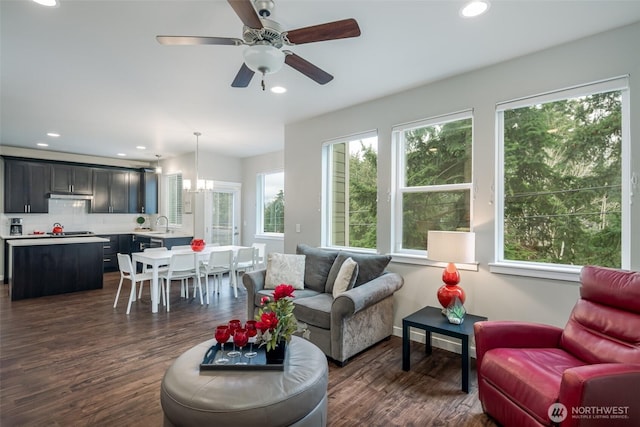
(529, 377)
(370, 266)
(318, 263)
(346, 277)
(285, 268)
(314, 310)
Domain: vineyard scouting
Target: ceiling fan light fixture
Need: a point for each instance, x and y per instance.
(264, 59)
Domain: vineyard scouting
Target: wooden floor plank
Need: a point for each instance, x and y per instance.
(74, 360)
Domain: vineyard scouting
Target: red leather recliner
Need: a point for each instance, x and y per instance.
(591, 368)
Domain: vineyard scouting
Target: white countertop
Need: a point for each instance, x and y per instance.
(145, 233)
(55, 241)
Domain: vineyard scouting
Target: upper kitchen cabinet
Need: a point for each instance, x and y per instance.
(143, 192)
(71, 179)
(26, 185)
(110, 191)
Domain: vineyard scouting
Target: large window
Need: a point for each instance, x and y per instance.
(174, 199)
(561, 183)
(433, 179)
(350, 188)
(270, 212)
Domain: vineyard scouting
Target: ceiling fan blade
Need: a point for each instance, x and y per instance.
(307, 68)
(197, 40)
(243, 78)
(329, 31)
(245, 11)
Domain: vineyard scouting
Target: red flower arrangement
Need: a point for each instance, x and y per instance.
(275, 320)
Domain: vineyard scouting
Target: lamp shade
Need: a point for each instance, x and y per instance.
(263, 58)
(451, 246)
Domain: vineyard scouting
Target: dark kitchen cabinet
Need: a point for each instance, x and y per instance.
(110, 191)
(118, 243)
(71, 179)
(143, 192)
(26, 186)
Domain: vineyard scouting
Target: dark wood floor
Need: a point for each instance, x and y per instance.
(74, 360)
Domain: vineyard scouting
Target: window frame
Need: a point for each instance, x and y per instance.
(177, 204)
(563, 272)
(415, 256)
(326, 198)
(260, 194)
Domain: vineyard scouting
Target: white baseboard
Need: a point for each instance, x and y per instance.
(439, 341)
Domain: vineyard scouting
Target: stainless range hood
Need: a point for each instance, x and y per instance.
(70, 196)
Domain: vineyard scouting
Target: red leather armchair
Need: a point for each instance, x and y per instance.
(591, 367)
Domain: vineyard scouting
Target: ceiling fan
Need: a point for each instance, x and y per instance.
(265, 38)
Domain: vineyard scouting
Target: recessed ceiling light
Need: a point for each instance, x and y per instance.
(278, 89)
(49, 3)
(42, 144)
(141, 147)
(53, 134)
(122, 154)
(474, 8)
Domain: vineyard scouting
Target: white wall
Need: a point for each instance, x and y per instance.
(497, 296)
(252, 166)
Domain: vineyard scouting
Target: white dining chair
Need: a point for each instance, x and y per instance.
(219, 263)
(147, 269)
(245, 261)
(181, 267)
(261, 255)
(128, 272)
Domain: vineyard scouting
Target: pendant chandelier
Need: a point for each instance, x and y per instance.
(201, 184)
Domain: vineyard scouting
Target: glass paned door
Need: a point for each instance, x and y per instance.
(225, 215)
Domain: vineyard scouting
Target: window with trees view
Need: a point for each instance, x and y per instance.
(270, 215)
(562, 175)
(434, 179)
(350, 173)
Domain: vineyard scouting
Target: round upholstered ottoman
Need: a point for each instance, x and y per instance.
(296, 396)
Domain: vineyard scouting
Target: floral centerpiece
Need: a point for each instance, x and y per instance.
(275, 319)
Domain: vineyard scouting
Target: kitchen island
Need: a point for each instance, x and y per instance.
(40, 267)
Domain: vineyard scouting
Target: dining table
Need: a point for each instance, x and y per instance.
(156, 259)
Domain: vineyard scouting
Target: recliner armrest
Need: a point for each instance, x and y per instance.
(606, 388)
(354, 300)
(513, 334)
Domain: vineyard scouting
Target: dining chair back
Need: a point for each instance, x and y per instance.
(261, 255)
(128, 272)
(181, 267)
(147, 269)
(219, 263)
(245, 261)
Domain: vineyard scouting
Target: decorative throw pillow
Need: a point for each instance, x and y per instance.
(317, 266)
(285, 268)
(346, 277)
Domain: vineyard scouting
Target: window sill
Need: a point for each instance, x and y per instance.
(274, 236)
(567, 273)
(422, 260)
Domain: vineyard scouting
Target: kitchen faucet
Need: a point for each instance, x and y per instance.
(166, 222)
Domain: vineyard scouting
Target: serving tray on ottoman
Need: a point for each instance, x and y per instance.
(257, 363)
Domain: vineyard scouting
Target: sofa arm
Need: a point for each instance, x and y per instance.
(513, 334)
(604, 389)
(254, 282)
(354, 300)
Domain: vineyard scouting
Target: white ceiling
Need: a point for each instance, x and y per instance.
(93, 71)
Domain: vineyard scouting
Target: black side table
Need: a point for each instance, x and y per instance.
(431, 319)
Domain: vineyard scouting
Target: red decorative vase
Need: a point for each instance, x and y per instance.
(197, 245)
(450, 290)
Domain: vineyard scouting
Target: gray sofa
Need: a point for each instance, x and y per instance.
(351, 322)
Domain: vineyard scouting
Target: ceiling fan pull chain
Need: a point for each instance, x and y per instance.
(263, 86)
